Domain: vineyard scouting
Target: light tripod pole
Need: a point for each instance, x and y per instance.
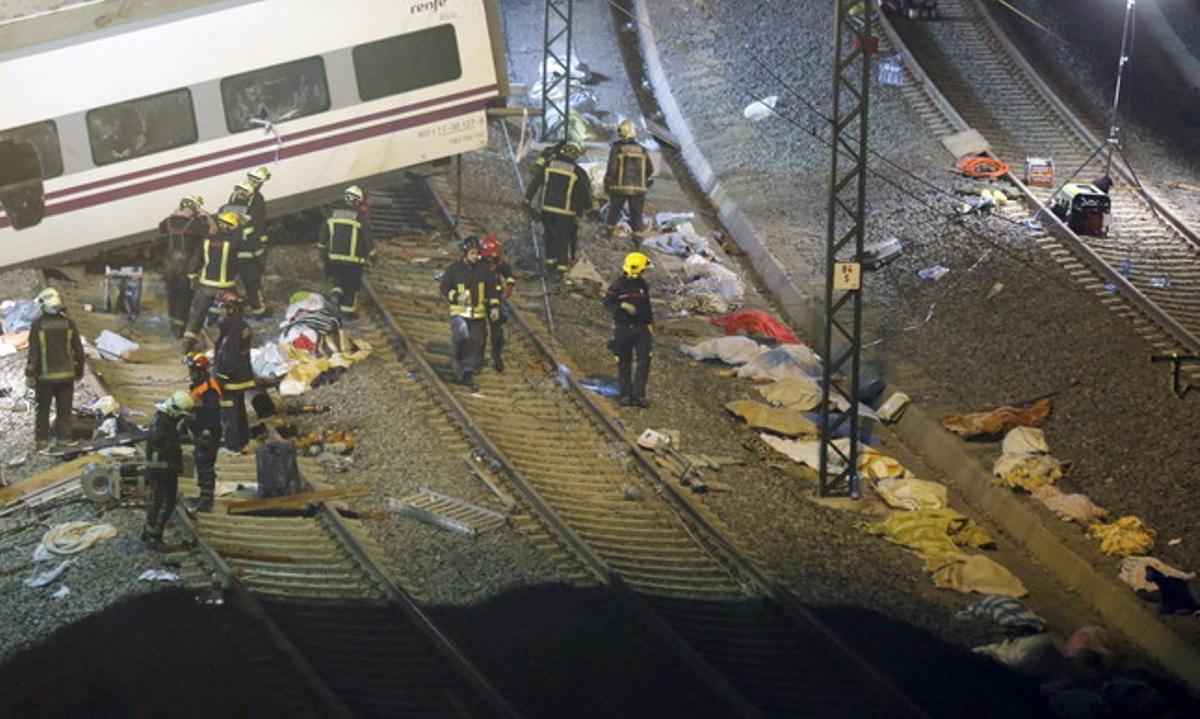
(1112, 124)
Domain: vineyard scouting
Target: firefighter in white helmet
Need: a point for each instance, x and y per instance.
(345, 241)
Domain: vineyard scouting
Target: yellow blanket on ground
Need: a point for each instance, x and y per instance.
(976, 573)
(931, 533)
(912, 494)
(1126, 536)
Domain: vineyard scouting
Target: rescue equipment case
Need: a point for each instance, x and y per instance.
(1084, 208)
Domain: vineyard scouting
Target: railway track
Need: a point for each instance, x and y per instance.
(663, 556)
(345, 631)
(968, 74)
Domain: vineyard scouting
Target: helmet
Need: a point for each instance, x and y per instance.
(191, 202)
(489, 246)
(471, 242)
(196, 360)
(230, 300)
(635, 264)
(627, 129)
(243, 190)
(353, 194)
(229, 220)
(49, 301)
(572, 151)
(258, 176)
(179, 403)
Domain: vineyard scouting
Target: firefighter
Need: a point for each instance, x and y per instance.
(256, 178)
(164, 463)
(53, 366)
(205, 426)
(231, 364)
(492, 253)
(628, 300)
(251, 250)
(213, 273)
(627, 177)
(470, 288)
(345, 239)
(561, 192)
(185, 230)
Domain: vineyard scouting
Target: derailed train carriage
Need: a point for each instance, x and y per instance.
(102, 130)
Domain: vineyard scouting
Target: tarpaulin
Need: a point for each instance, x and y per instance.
(756, 322)
(994, 421)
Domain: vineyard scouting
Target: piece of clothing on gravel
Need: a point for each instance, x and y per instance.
(756, 322)
(786, 422)
(74, 537)
(1174, 594)
(976, 573)
(1133, 572)
(730, 350)
(1069, 507)
(1009, 613)
(931, 533)
(1026, 462)
(802, 394)
(1128, 535)
(911, 494)
(994, 421)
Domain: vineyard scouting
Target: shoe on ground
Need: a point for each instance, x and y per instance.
(498, 364)
(152, 541)
(639, 402)
(200, 504)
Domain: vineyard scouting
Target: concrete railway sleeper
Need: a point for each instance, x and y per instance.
(1150, 255)
(359, 645)
(748, 640)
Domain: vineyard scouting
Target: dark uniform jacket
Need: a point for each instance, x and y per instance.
(471, 289)
(184, 233)
(163, 450)
(212, 265)
(636, 292)
(258, 216)
(207, 399)
(250, 241)
(55, 350)
(346, 235)
(561, 187)
(231, 358)
(505, 282)
(629, 168)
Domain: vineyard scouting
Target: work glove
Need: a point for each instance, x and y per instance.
(494, 314)
(628, 307)
(30, 382)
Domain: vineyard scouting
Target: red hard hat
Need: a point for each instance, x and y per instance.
(230, 300)
(490, 246)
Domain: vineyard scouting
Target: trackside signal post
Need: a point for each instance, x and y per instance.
(556, 51)
(841, 352)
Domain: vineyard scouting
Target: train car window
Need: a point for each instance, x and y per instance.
(407, 62)
(44, 138)
(142, 126)
(277, 93)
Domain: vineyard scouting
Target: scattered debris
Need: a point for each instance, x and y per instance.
(976, 573)
(113, 346)
(1009, 613)
(1026, 462)
(74, 537)
(911, 494)
(760, 110)
(653, 440)
(995, 421)
(756, 322)
(893, 407)
(584, 271)
(786, 422)
(1174, 594)
(158, 575)
(1128, 535)
(933, 273)
(603, 386)
(63, 592)
(439, 510)
(1133, 572)
(48, 576)
(1076, 508)
(509, 504)
(729, 350)
(782, 362)
(880, 254)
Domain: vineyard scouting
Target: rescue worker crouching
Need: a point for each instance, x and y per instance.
(205, 426)
(561, 192)
(470, 287)
(627, 178)
(231, 364)
(250, 263)
(53, 366)
(345, 240)
(164, 463)
(493, 254)
(628, 300)
(185, 230)
(213, 272)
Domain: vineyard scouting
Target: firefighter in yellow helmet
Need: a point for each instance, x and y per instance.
(53, 366)
(560, 191)
(628, 301)
(184, 230)
(213, 272)
(250, 262)
(345, 241)
(627, 177)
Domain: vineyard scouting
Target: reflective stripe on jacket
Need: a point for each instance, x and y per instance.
(628, 168)
(55, 350)
(215, 255)
(558, 186)
(345, 237)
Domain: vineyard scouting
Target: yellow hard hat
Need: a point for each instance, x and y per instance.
(636, 263)
(258, 175)
(231, 219)
(627, 129)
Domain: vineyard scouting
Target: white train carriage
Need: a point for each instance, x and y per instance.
(124, 121)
